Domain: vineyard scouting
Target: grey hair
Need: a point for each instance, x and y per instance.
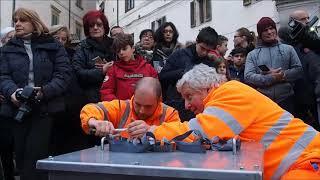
(200, 77)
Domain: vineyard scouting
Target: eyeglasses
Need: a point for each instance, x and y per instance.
(168, 31)
(99, 25)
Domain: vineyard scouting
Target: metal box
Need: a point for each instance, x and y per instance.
(96, 164)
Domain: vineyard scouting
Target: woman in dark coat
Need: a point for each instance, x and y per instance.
(91, 71)
(68, 135)
(34, 59)
(166, 38)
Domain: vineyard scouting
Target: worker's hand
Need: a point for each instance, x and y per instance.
(103, 128)
(137, 128)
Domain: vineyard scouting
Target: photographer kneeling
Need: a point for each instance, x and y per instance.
(34, 73)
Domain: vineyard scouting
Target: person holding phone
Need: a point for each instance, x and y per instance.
(90, 60)
(272, 67)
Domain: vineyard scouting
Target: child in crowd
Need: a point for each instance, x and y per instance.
(236, 70)
(119, 83)
(221, 68)
(217, 55)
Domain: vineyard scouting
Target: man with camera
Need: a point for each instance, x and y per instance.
(306, 88)
(282, 66)
(300, 27)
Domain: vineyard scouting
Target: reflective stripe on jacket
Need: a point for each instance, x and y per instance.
(237, 109)
(121, 113)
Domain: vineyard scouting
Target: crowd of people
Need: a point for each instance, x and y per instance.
(108, 76)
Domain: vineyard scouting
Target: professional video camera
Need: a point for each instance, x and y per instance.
(27, 98)
(303, 33)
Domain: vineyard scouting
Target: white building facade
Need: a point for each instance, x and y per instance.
(189, 16)
(52, 12)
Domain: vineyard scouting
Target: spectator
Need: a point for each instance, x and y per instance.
(97, 45)
(306, 88)
(61, 33)
(5, 35)
(245, 38)
(6, 125)
(166, 38)
(221, 68)
(145, 107)
(115, 30)
(217, 55)
(122, 77)
(236, 70)
(283, 63)
(308, 38)
(222, 46)
(64, 140)
(180, 62)
(146, 45)
(35, 59)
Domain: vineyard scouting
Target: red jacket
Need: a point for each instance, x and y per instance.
(122, 77)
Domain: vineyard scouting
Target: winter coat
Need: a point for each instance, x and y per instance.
(177, 64)
(307, 88)
(52, 71)
(91, 78)
(122, 77)
(161, 54)
(236, 73)
(275, 56)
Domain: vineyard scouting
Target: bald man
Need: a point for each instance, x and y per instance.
(301, 16)
(309, 39)
(145, 109)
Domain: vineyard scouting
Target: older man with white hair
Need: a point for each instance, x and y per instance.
(224, 110)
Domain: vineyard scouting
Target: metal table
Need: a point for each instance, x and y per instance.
(96, 164)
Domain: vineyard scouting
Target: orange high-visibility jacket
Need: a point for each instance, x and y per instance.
(121, 113)
(237, 109)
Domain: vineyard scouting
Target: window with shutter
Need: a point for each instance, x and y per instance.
(192, 14)
(200, 12)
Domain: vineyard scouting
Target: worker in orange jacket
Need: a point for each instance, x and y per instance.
(292, 148)
(138, 114)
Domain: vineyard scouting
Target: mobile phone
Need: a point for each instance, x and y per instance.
(264, 68)
(99, 60)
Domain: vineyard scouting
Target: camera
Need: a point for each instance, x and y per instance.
(27, 98)
(298, 30)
